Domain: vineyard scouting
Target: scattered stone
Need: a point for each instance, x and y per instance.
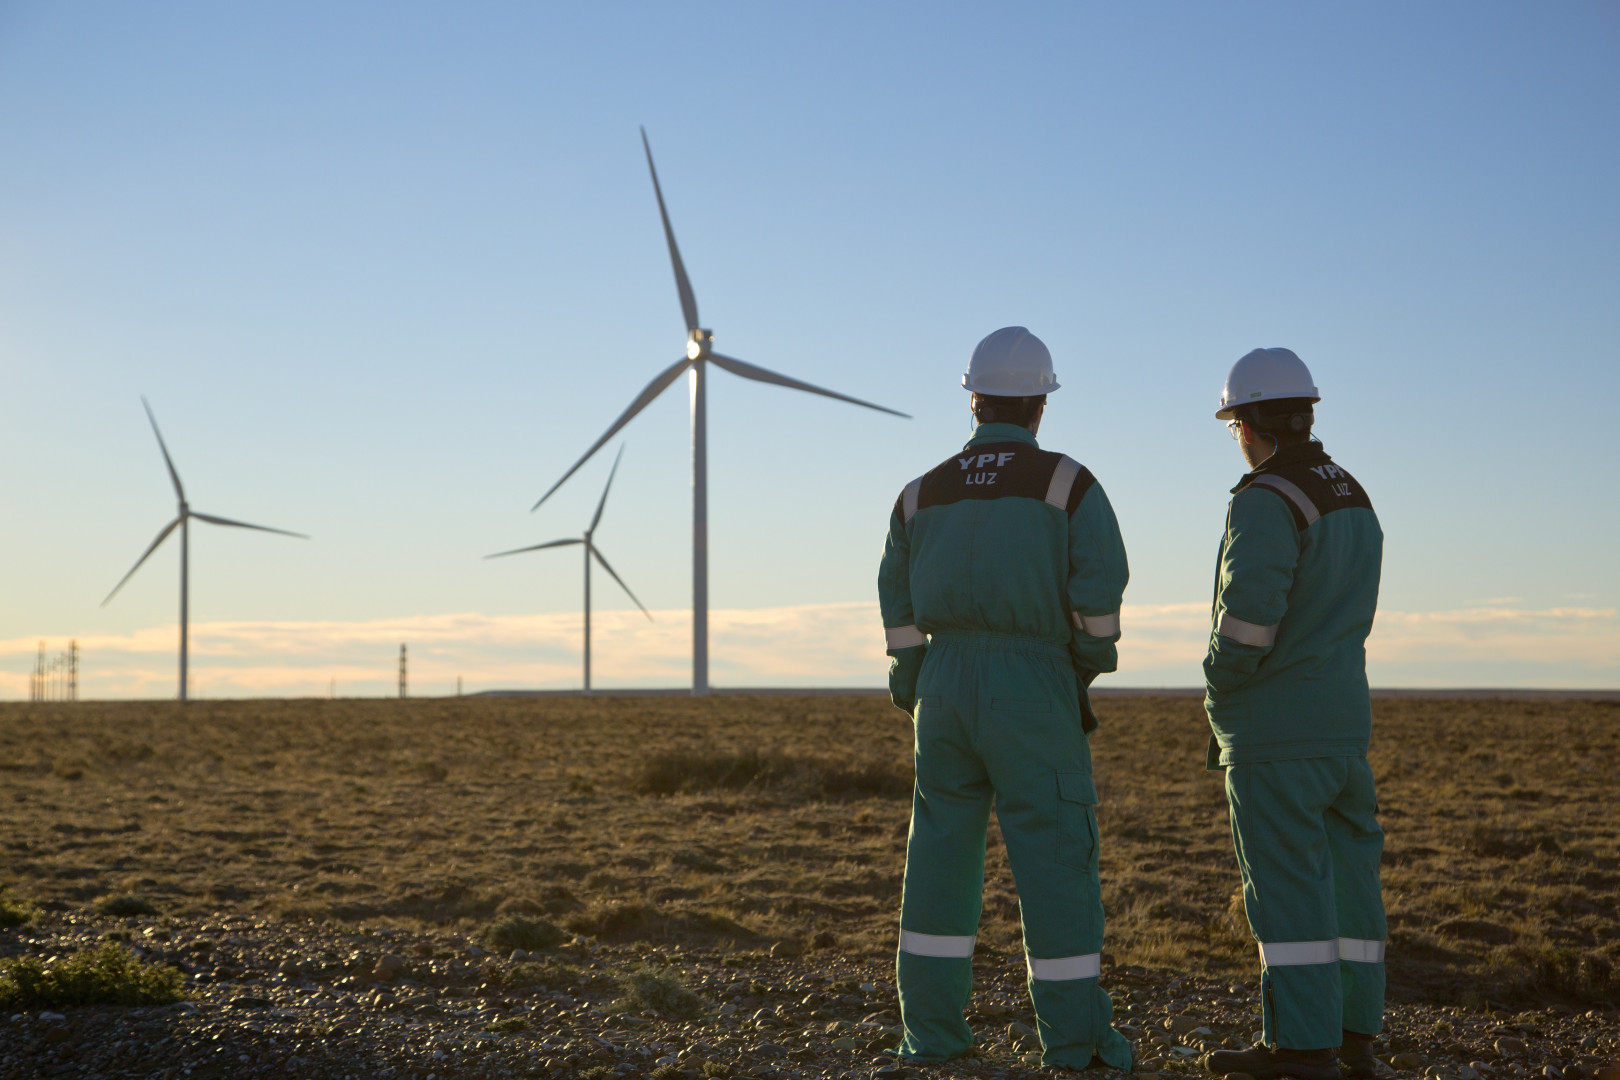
(1182, 1025)
(1023, 1036)
(844, 1042)
(249, 1003)
(389, 968)
(1406, 1062)
(57, 1035)
(1510, 1047)
(787, 948)
(518, 956)
(51, 1017)
(1552, 1072)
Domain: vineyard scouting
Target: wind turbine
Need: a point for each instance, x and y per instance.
(590, 549)
(699, 354)
(183, 523)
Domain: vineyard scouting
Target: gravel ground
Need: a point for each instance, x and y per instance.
(283, 999)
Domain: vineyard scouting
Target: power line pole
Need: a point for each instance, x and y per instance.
(73, 670)
(403, 684)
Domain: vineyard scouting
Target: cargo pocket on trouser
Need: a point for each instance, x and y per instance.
(1077, 821)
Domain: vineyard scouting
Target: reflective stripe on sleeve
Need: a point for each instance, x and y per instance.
(1246, 633)
(1097, 625)
(1361, 950)
(1298, 953)
(904, 637)
(1290, 491)
(908, 501)
(1057, 492)
(956, 948)
(1065, 968)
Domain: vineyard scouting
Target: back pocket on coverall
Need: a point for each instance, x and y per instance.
(1077, 821)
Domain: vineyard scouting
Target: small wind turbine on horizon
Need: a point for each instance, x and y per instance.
(183, 522)
(699, 354)
(590, 550)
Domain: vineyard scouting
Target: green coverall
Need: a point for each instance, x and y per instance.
(1000, 589)
(1296, 586)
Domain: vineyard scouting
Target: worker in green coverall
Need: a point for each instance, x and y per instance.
(1296, 586)
(1000, 590)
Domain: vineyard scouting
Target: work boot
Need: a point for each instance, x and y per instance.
(1356, 1055)
(1264, 1063)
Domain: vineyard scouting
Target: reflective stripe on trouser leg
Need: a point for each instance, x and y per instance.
(1298, 953)
(939, 907)
(1065, 968)
(960, 948)
(1278, 812)
(1357, 845)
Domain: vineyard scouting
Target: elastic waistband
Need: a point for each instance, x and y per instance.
(990, 639)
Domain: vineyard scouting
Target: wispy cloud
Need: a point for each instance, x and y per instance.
(803, 645)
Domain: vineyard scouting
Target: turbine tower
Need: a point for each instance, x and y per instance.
(590, 550)
(183, 523)
(699, 354)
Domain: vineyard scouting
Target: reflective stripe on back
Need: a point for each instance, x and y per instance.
(1290, 491)
(1065, 968)
(1245, 632)
(903, 637)
(1298, 953)
(1096, 625)
(1361, 950)
(908, 500)
(956, 948)
(1057, 492)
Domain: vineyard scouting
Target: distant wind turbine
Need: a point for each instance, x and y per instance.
(183, 523)
(699, 354)
(590, 549)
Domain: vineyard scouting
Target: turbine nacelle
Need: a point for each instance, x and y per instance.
(699, 344)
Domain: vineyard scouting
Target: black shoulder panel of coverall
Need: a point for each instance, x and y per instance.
(1308, 482)
(996, 471)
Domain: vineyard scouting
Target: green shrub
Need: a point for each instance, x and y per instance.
(661, 992)
(507, 1025)
(105, 975)
(125, 904)
(15, 911)
(516, 931)
(544, 976)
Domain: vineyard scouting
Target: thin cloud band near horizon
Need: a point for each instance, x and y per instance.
(810, 645)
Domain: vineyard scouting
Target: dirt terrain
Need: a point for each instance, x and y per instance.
(750, 848)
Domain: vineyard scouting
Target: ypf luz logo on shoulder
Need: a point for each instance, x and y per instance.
(1330, 471)
(980, 462)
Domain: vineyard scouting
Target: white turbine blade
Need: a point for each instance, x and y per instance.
(652, 390)
(682, 285)
(608, 487)
(178, 490)
(759, 374)
(620, 580)
(536, 547)
(212, 520)
(162, 536)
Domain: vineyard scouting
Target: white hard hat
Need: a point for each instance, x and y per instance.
(1012, 362)
(1266, 375)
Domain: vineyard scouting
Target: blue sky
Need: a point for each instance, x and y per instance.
(384, 271)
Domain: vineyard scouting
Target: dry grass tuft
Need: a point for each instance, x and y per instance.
(14, 910)
(108, 975)
(659, 991)
(685, 772)
(515, 931)
(126, 904)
